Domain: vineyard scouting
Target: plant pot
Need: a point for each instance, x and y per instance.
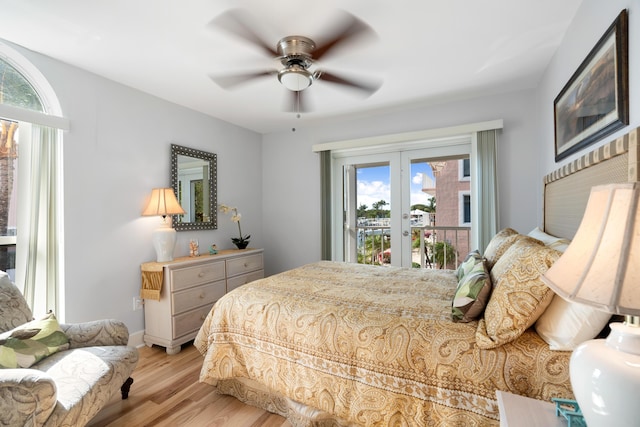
(242, 245)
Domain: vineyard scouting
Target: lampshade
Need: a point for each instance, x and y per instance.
(163, 202)
(601, 267)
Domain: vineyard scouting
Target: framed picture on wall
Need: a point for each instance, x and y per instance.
(595, 101)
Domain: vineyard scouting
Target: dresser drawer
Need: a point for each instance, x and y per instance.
(189, 321)
(244, 264)
(187, 277)
(234, 282)
(197, 296)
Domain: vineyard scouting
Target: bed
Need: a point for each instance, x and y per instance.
(337, 344)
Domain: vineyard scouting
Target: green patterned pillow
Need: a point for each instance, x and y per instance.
(469, 262)
(28, 344)
(472, 294)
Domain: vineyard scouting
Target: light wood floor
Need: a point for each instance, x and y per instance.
(166, 392)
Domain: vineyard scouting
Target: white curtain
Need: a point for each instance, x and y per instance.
(40, 231)
(487, 186)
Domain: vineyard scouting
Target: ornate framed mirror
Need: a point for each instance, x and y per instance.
(194, 180)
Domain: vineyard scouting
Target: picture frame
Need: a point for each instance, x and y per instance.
(595, 101)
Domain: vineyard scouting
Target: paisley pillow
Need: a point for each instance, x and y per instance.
(519, 295)
(28, 344)
(499, 245)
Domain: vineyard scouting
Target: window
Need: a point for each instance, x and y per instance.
(30, 182)
(464, 168)
(465, 208)
(15, 90)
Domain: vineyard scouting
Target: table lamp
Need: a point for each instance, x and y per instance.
(163, 203)
(601, 268)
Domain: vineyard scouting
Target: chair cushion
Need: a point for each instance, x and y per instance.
(14, 310)
(27, 344)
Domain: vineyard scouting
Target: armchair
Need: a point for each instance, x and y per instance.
(68, 387)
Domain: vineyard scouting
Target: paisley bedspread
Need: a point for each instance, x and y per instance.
(373, 346)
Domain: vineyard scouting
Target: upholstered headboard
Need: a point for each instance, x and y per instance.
(566, 190)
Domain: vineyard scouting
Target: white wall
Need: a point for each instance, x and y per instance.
(591, 21)
(117, 150)
(291, 185)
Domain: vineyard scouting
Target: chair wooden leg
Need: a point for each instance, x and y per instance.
(125, 388)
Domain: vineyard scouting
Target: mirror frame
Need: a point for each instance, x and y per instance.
(212, 158)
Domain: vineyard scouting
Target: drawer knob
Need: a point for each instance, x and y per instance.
(246, 264)
(201, 274)
(203, 317)
(201, 296)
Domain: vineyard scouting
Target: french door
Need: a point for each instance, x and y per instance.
(372, 198)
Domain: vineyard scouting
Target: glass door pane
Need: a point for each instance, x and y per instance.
(373, 221)
(440, 211)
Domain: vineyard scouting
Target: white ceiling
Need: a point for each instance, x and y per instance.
(425, 51)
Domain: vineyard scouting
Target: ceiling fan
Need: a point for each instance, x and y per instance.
(297, 56)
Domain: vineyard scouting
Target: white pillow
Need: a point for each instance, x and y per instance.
(557, 243)
(564, 325)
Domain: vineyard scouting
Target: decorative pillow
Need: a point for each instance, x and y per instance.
(519, 296)
(472, 294)
(27, 344)
(564, 325)
(469, 262)
(499, 245)
(557, 243)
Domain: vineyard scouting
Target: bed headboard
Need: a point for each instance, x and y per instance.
(566, 190)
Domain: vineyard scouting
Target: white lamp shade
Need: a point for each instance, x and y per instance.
(601, 266)
(163, 202)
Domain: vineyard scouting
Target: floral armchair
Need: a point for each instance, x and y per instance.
(68, 383)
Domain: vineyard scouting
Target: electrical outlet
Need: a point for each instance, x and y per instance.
(137, 303)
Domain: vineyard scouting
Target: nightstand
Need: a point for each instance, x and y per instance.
(520, 411)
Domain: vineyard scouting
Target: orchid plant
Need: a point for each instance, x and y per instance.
(241, 241)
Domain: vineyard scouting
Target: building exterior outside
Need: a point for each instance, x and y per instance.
(453, 205)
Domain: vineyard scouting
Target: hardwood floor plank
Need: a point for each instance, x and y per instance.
(166, 392)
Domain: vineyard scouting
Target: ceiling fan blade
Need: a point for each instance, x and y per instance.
(296, 102)
(348, 28)
(369, 87)
(239, 23)
(230, 81)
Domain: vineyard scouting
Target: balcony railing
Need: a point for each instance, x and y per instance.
(439, 247)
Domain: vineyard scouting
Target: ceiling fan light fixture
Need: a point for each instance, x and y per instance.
(295, 78)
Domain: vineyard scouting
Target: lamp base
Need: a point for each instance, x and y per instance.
(605, 376)
(164, 241)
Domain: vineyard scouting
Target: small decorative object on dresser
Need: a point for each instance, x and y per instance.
(194, 248)
(243, 241)
(181, 293)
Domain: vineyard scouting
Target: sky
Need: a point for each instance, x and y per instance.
(373, 185)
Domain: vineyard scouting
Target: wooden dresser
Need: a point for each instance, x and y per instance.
(190, 286)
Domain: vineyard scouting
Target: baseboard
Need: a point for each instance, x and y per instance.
(136, 339)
